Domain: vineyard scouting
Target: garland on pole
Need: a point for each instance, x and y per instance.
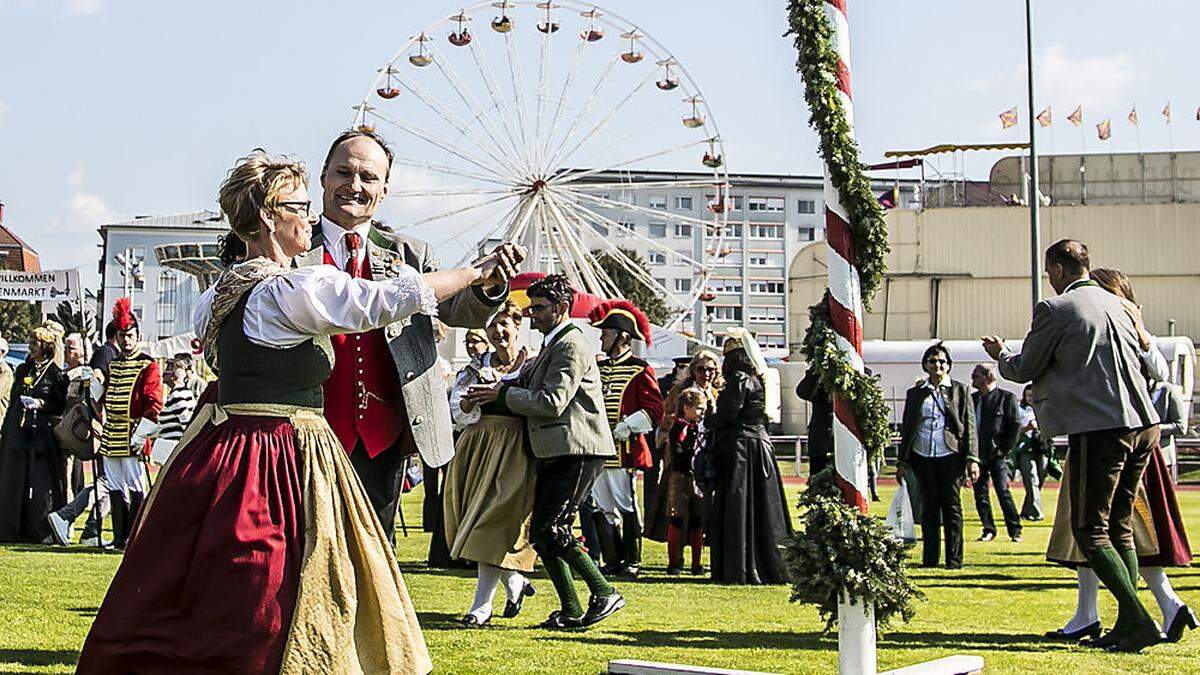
(841, 551)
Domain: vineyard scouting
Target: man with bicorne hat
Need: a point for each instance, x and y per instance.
(634, 406)
(131, 400)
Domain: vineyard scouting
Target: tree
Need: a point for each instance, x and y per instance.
(68, 318)
(632, 288)
(18, 319)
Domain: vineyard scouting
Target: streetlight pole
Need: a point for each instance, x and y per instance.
(1035, 234)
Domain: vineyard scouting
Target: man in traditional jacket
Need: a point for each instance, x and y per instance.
(634, 406)
(131, 402)
(386, 398)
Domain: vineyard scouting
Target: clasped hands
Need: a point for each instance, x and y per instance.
(499, 266)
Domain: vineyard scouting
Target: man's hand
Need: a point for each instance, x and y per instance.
(901, 471)
(482, 394)
(993, 345)
(501, 265)
(972, 471)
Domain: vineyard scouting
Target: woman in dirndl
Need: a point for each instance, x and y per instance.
(488, 497)
(1158, 532)
(257, 550)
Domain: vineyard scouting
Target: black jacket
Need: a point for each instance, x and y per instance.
(960, 420)
(999, 423)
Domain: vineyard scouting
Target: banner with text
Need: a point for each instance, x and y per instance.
(47, 285)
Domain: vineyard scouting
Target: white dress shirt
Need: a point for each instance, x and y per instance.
(285, 310)
(555, 331)
(335, 241)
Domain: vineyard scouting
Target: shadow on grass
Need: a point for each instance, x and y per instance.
(704, 639)
(1032, 642)
(40, 657)
(68, 550)
(86, 611)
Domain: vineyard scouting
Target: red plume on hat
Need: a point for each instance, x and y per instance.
(622, 315)
(123, 317)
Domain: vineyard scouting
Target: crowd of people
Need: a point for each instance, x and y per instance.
(268, 539)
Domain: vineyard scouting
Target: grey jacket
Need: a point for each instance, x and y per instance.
(560, 398)
(1082, 355)
(412, 341)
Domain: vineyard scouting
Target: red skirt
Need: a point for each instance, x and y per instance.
(210, 578)
(1173, 547)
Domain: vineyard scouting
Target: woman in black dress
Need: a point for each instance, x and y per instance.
(748, 512)
(33, 471)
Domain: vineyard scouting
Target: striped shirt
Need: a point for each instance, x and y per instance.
(176, 413)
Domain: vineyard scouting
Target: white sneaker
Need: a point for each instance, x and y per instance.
(60, 529)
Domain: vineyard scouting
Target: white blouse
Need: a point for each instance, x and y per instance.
(285, 310)
(478, 371)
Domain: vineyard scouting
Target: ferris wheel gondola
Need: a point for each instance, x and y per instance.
(422, 57)
(502, 23)
(592, 33)
(388, 90)
(633, 55)
(549, 25)
(462, 36)
(667, 83)
(695, 120)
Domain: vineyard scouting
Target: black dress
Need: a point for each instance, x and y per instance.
(748, 513)
(33, 471)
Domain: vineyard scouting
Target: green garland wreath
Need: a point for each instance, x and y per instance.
(838, 551)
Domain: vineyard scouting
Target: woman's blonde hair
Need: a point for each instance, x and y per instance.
(510, 310)
(701, 357)
(1115, 282)
(255, 183)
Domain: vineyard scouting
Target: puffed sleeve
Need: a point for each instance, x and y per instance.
(466, 377)
(288, 309)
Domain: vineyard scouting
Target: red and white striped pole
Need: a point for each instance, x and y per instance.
(856, 622)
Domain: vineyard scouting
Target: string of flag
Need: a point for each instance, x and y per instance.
(1011, 117)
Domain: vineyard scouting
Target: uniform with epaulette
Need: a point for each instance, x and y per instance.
(131, 402)
(634, 405)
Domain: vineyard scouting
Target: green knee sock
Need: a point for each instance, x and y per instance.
(1112, 570)
(560, 576)
(1129, 557)
(586, 568)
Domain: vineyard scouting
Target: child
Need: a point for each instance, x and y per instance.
(685, 502)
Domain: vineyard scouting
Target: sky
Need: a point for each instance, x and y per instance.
(115, 108)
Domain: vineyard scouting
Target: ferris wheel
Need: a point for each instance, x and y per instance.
(530, 122)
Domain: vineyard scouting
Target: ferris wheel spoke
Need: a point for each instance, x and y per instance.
(459, 85)
(648, 185)
(567, 175)
(612, 224)
(457, 234)
(604, 120)
(447, 170)
(437, 141)
(451, 192)
(561, 99)
(618, 142)
(462, 209)
(541, 97)
(489, 80)
(487, 145)
(583, 112)
(599, 278)
(656, 213)
(518, 83)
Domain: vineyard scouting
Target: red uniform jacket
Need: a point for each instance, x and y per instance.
(145, 401)
(629, 385)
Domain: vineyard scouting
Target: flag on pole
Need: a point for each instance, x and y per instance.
(1076, 117)
(1104, 129)
(1133, 116)
(1044, 118)
(1167, 112)
(1008, 118)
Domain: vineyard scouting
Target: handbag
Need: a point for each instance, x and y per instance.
(74, 432)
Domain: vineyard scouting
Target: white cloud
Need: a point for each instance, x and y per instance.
(1101, 84)
(71, 239)
(84, 7)
(75, 176)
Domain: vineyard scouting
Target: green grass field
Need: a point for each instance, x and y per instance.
(997, 607)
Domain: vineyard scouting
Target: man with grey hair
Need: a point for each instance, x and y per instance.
(998, 424)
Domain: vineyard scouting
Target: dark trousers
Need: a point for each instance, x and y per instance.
(939, 481)
(996, 471)
(562, 485)
(1106, 467)
(381, 477)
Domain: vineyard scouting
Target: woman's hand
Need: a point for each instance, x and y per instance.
(501, 265)
(482, 394)
(1135, 314)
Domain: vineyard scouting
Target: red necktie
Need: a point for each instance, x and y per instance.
(352, 267)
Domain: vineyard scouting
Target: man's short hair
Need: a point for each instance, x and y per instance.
(110, 331)
(988, 369)
(1071, 255)
(553, 287)
(359, 133)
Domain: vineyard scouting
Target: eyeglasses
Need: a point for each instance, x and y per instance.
(302, 209)
(934, 362)
(706, 369)
(534, 309)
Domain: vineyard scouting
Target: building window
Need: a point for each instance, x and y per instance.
(683, 285)
(601, 228)
(683, 230)
(733, 231)
(657, 202)
(807, 233)
(656, 258)
(661, 282)
(630, 227)
(766, 287)
(657, 230)
(767, 314)
(725, 286)
(168, 284)
(683, 203)
(765, 204)
(806, 206)
(726, 313)
(762, 231)
(682, 258)
(759, 260)
(737, 203)
(772, 341)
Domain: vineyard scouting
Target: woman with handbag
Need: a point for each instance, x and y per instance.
(33, 470)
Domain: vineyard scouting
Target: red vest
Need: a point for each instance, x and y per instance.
(363, 401)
